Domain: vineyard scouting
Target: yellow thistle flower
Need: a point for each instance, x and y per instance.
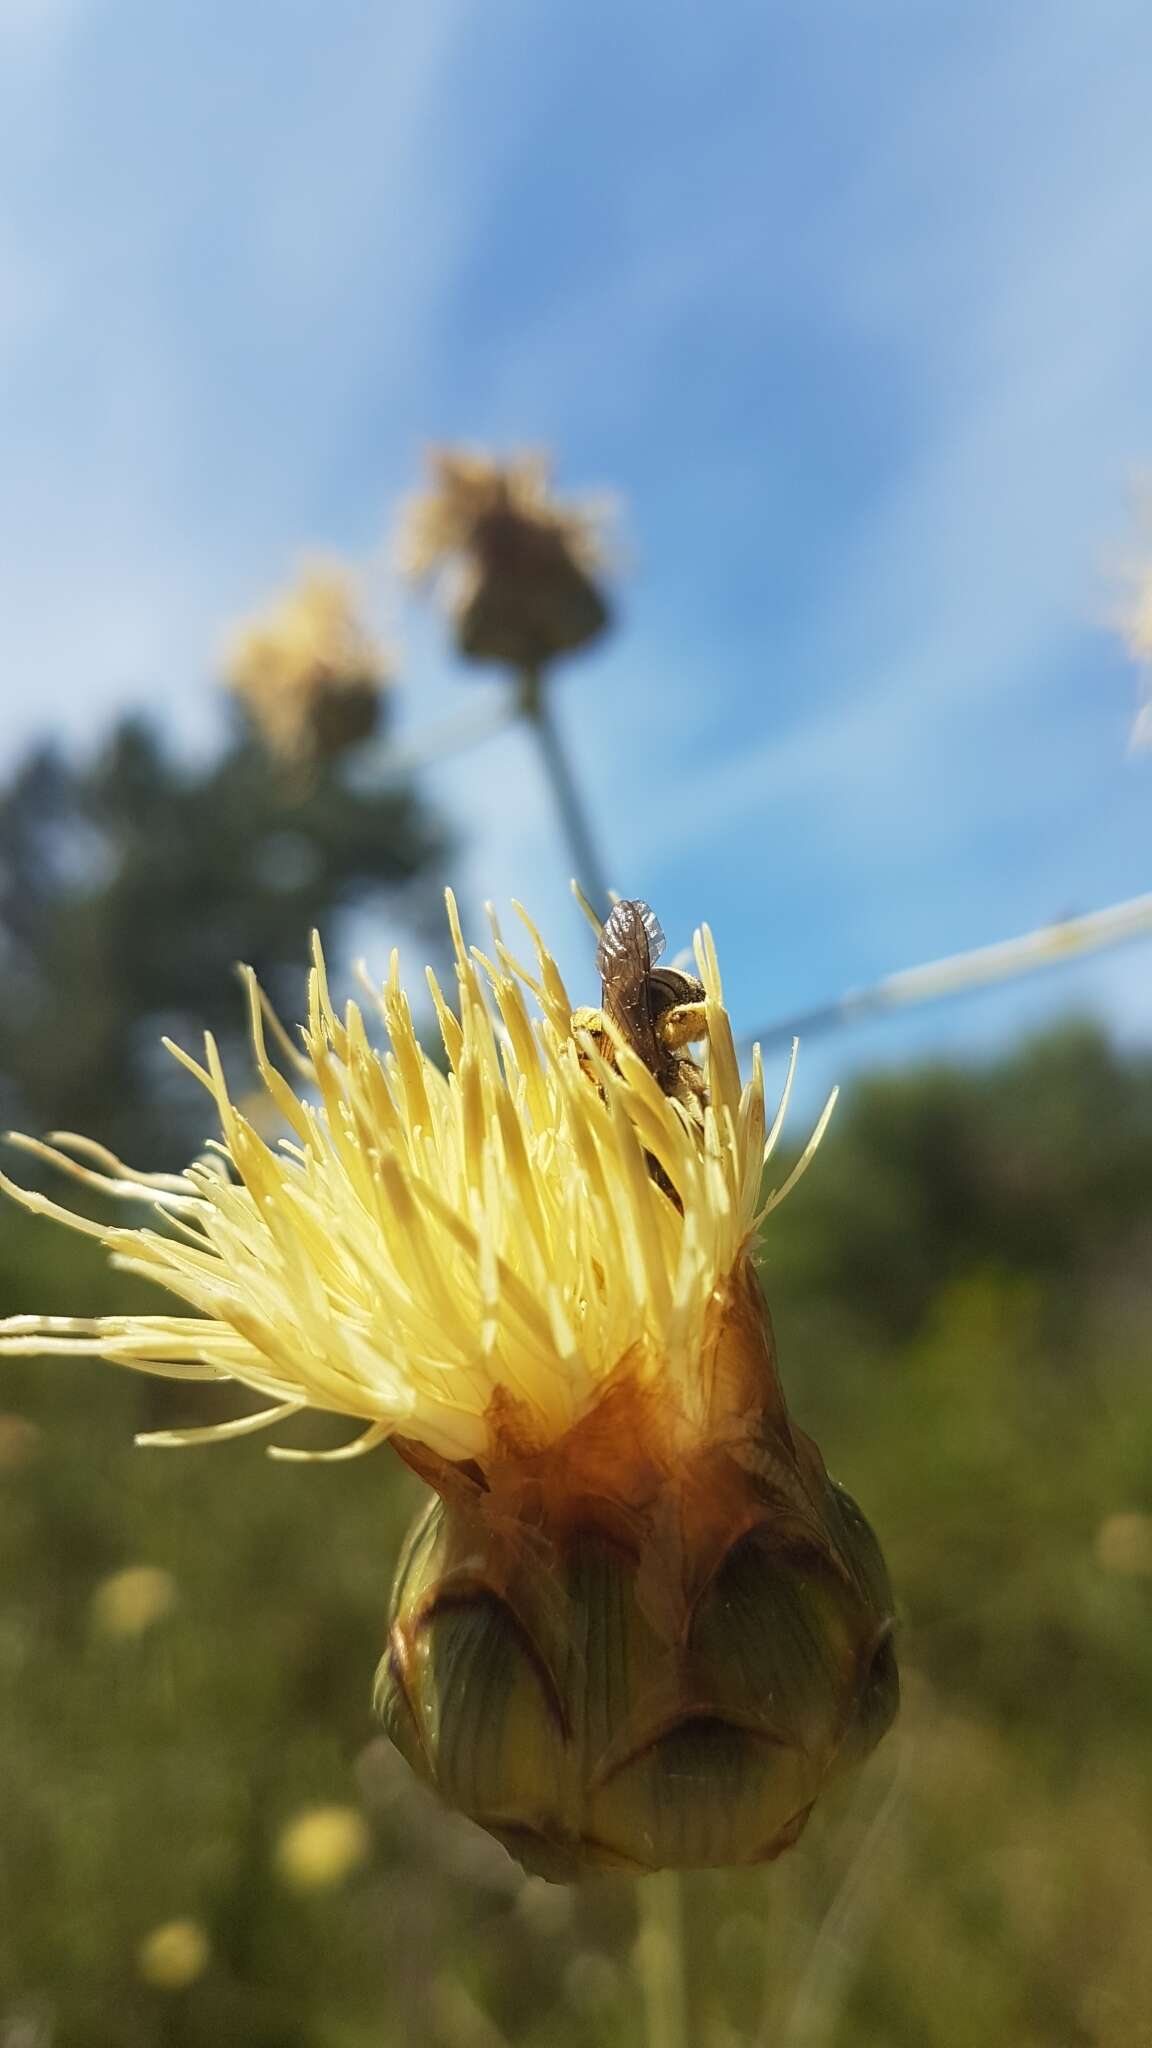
(433, 1251)
(308, 673)
(640, 1625)
(519, 573)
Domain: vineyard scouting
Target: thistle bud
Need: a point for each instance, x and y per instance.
(629, 1655)
(519, 571)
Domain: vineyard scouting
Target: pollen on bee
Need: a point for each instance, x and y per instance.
(686, 1024)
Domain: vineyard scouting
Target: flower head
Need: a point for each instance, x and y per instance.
(450, 1256)
(519, 572)
(308, 672)
(531, 1271)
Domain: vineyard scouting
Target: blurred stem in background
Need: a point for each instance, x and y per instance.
(587, 862)
(815, 2000)
(660, 1959)
(1048, 946)
(520, 575)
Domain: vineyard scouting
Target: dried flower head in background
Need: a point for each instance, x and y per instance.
(308, 672)
(519, 572)
(639, 1625)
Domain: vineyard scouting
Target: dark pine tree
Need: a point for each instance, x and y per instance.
(132, 884)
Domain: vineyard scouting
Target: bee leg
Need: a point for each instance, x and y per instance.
(682, 1025)
(588, 1020)
(593, 1038)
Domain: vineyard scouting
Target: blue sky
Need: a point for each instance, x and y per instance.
(851, 303)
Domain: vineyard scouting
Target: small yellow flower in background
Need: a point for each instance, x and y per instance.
(520, 572)
(639, 1625)
(1124, 1545)
(308, 672)
(173, 1956)
(129, 1602)
(322, 1847)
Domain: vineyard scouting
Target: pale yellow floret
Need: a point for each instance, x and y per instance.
(422, 1245)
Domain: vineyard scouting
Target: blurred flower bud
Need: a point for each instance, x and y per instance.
(19, 1442)
(321, 1848)
(1124, 1545)
(129, 1602)
(173, 1956)
(308, 673)
(518, 571)
(613, 1656)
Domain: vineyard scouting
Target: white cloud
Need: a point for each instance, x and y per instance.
(1032, 318)
(184, 337)
(37, 27)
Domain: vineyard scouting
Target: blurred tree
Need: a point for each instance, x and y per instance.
(131, 885)
(1040, 1163)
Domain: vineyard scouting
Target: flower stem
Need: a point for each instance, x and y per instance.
(589, 868)
(836, 1943)
(660, 1960)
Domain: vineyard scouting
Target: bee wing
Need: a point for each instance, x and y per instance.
(631, 941)
(629, 944)
(654, 932)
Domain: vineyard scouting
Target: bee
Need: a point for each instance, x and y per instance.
(656, 1011)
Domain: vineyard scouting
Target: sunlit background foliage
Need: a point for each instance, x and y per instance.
(847, 302)
(962, 1301)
